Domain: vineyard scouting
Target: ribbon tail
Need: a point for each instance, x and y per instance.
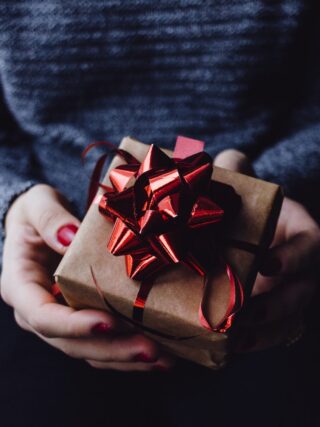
(204, 322)
(95, 179)
(236, 297)
(235, 301)
(141, 299)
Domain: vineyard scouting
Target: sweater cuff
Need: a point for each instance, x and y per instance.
(8, 195)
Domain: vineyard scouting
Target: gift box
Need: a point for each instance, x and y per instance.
(180, 307)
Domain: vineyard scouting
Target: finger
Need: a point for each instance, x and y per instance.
(163, 364)
(234, 160)
(265, 284)
(125, 367)
(21, 322)
(265, 336)
(131, 348)
(55, 320)
(300, 253)
(47, 212)
(282, 302)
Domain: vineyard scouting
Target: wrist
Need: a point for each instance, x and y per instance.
(16, 210)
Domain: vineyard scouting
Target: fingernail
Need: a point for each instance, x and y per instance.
(144, 357)
(101, 329)
(271, 267)
(66, 233)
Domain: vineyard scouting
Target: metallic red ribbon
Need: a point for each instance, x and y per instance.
(167, 211)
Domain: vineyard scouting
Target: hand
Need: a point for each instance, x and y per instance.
(36, 237)
(287, 282)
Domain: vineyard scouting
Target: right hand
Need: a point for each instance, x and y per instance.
(289, 279)
(31, 253)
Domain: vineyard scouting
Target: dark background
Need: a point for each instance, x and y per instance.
(42, 387)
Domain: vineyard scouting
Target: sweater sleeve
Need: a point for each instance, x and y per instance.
(17, 171)
(294, 162)
(294, 158)
(15, 177)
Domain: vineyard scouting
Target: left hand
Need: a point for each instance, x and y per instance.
(288, 275)
(33, 243)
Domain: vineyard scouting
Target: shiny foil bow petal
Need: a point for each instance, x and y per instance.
(165, 212)
(159, 213)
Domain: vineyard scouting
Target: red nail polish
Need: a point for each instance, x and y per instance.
(101, 329)
(66, 233)
(143, 357)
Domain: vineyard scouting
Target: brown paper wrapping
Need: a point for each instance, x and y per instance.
(173, 303)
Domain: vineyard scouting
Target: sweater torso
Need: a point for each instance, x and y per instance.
(232, 73)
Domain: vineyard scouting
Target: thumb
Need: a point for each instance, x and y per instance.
(47, 211)
(234, 160)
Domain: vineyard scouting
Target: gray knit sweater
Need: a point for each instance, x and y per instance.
(236, 73)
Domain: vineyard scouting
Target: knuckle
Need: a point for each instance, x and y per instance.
(232, 154)
(40, 189)
(36, 323)
(110, 357)
(144, 345)
(46, 217)
(5, 295)
(20, 322)
(239, 154)
(234, 160)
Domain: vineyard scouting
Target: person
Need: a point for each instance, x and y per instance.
(244, 78)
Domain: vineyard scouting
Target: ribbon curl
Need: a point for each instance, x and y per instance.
(166, 211)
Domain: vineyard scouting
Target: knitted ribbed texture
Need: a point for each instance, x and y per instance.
(236, 73)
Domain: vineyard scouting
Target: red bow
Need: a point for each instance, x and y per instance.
(164, 213)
